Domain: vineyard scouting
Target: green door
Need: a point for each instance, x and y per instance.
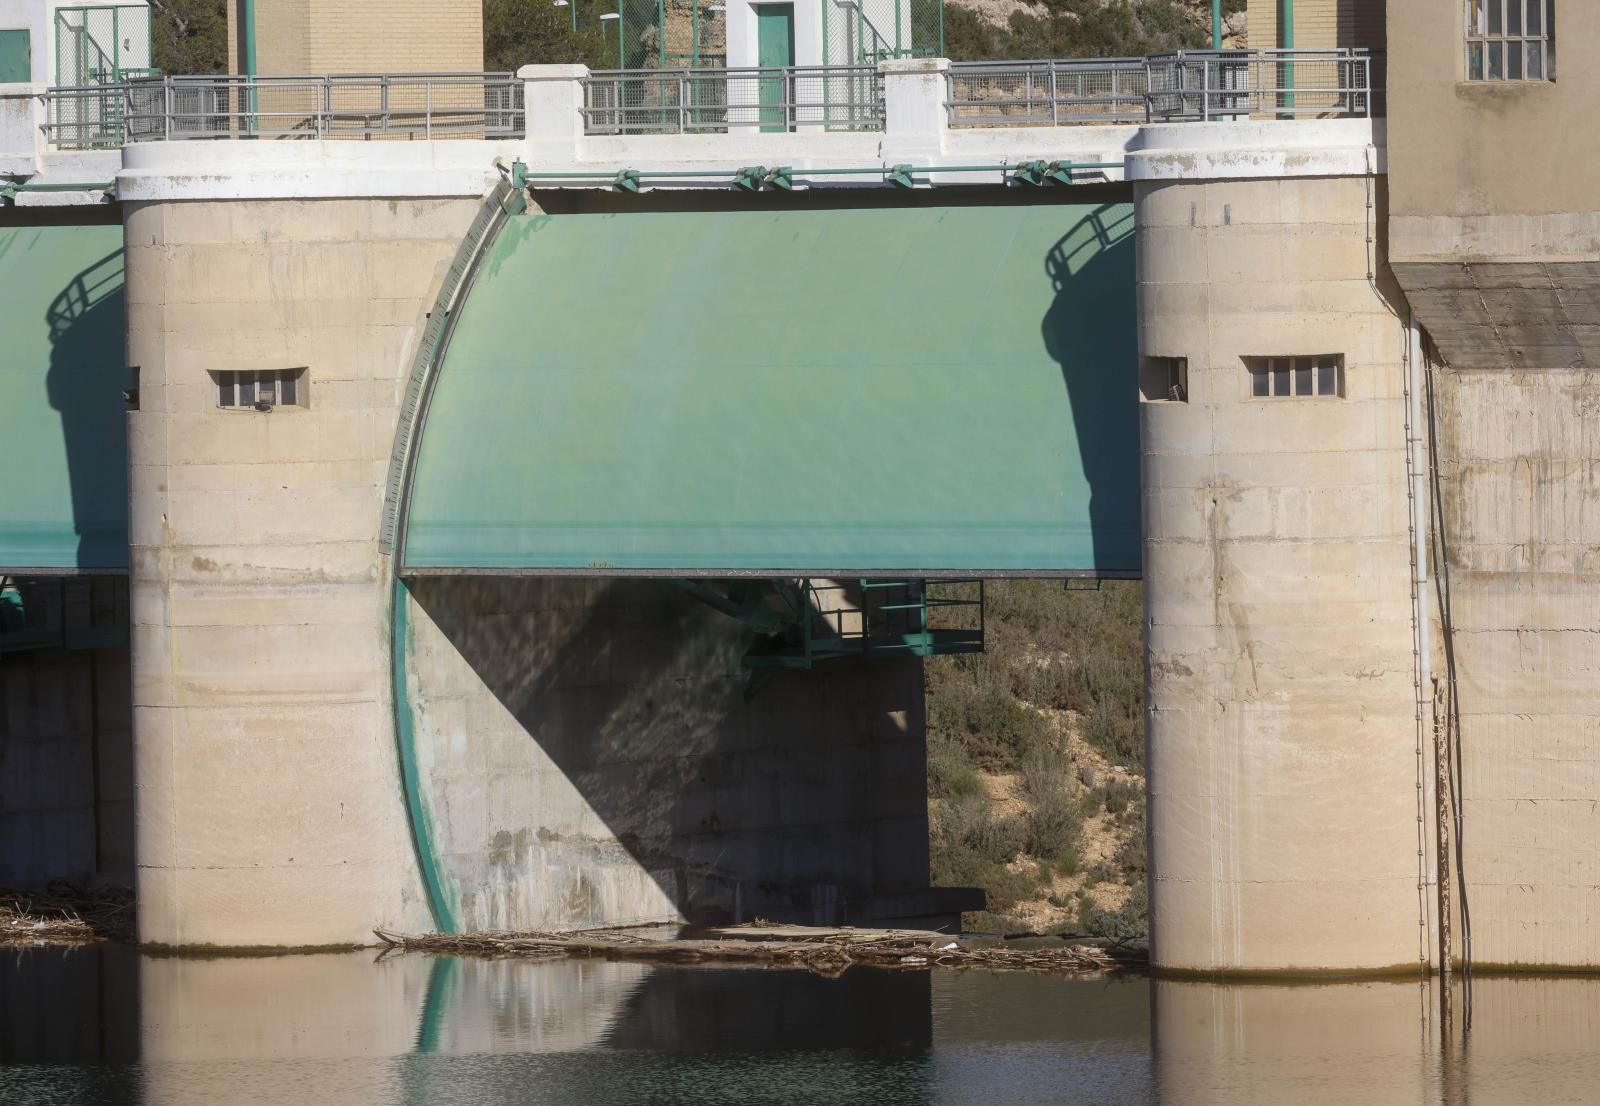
(16, 66)
(775, 49)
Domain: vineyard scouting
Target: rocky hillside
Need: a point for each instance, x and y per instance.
(978, 30)
(1036, 762)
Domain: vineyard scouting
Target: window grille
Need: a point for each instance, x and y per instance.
(261, 388)
(1296, 377)
(1510, 40)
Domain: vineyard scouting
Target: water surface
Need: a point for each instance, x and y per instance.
(106, 1025)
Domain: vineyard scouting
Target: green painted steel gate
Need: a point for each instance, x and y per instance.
(857, 392)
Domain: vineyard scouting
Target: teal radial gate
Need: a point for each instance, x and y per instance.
(64, 494)
(873, 391)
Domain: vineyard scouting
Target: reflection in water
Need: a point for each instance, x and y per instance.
(105, 1025)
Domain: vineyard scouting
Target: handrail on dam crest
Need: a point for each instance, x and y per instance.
(1186, 86)
(349, 105)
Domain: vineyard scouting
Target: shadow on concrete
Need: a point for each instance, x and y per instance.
(807, 803)
(1091, 330)
(87, 321)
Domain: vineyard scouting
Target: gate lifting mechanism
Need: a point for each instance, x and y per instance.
(799, 623)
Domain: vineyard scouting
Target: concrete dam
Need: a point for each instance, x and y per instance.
(542, 526)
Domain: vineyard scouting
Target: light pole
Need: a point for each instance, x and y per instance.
(571, 6)
(1216, 24)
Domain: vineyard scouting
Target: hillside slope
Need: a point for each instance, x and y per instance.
(1036, 761)
(981, 30)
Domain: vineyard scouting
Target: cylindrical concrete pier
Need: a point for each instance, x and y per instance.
(269, 807)
(1283, 764)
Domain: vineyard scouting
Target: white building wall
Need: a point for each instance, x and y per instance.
(809, 48)
(38, 17)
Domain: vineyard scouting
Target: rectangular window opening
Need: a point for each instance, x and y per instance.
(261, 389)
(1510, 40)
(1164, 380)
(1298, 377)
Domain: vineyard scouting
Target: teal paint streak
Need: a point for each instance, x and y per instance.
(441, 986)
(938, 388)
(422, 839)
(64, 495)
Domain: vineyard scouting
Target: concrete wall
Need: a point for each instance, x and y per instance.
(269, 804)
(361, 36)
(588, 758)
(1283, 771)
(1520, 479)
(1461, 150)
(66, 771)
(1495, 235)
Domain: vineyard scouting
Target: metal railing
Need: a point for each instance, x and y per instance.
(1192, 85)
(1184, 86)
(688, 101)
(353, 106)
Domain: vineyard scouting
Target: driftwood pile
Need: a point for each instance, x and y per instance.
(65, 915)
(827, 952)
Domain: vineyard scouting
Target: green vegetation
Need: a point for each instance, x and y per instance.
(189, 36)
(536, 32)
(1036, 761)
(1082, 28)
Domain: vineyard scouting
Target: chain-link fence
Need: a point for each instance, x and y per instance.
(652, 101)
(356, 106)
(865, 32)
(99, 47)
(103, 44)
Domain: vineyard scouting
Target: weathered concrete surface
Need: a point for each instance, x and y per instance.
(588, 759)
(66, 769)
(1283, 773)
(1509, 315)
(1519, 469)
(269, 804)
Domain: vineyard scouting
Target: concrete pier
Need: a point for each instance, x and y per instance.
(269, 807)
(1281, 688)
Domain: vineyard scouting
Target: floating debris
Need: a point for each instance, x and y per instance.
(824, 951)
(65, 915)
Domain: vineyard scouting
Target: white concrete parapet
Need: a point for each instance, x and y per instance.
(553, 106)
(21, 129)
(915, 119)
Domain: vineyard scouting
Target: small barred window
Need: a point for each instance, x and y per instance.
(262, 389)
(1296, 377)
